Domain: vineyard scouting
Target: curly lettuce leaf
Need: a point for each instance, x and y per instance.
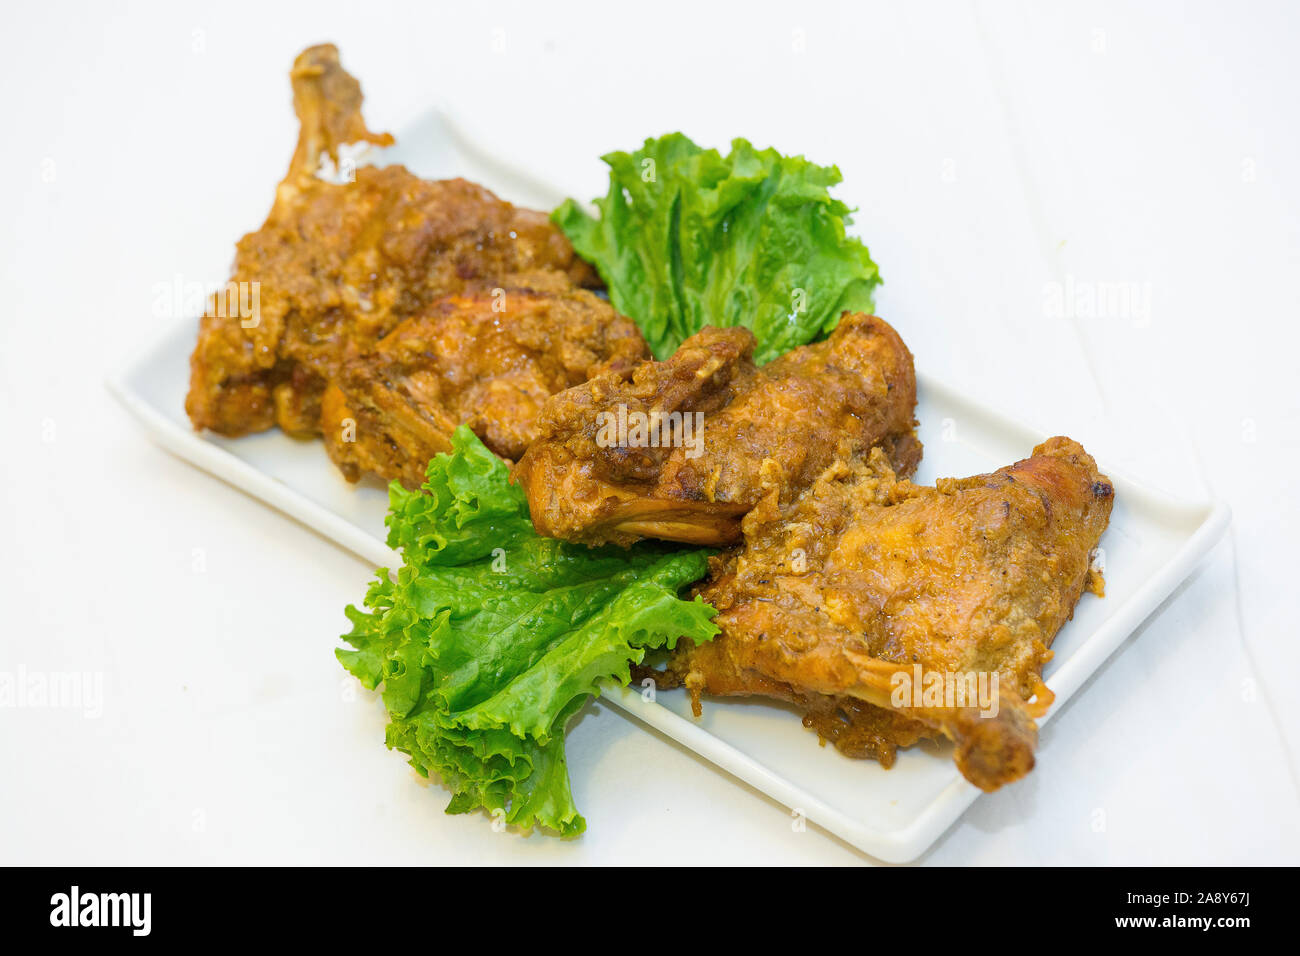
(687, 237)
(490, 637)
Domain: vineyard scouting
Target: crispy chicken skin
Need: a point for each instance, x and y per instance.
(865, 576)
(773, 428)
(487, 358)
(338, 265)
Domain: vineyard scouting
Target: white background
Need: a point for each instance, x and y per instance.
(993, 149)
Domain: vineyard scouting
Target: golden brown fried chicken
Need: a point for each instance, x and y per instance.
(337, 266)
(841, 599)
(487, 359)
(731, 433)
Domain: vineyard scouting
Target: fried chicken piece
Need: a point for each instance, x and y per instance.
(488, 359)
(337, 265)
(730, 433)
(842, 599)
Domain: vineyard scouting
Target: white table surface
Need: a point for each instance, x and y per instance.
(993, 149)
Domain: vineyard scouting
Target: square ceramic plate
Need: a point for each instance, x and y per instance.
(1152, 544)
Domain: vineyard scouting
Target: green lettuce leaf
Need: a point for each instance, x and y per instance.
(490, 637)
(687, 237)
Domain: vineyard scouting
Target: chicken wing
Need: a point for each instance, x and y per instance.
(847, 600)
(730, 434)
(337, 265)
(488, 359)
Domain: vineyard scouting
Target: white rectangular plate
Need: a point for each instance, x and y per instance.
(1152, 544)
